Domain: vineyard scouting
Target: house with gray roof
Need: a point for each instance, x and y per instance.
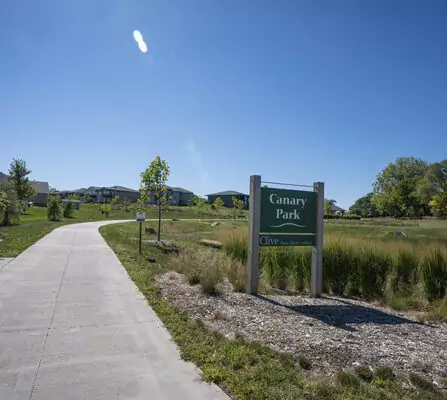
(337, 210)
(42, 190)
(227, 197)
(105, 194)
(179, 196)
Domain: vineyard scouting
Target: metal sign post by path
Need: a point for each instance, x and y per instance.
(284, 217)
(140, 217)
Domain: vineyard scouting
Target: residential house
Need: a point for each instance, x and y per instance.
(179, 196)
(42, 190)
(106, 194)
(337, 210)
(227, 198)
(69, 193)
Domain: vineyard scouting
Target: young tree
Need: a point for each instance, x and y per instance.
(125, 203)
(153, 184)
(218, 204)
(54, 209)
(68, 209)
(199, 206)
(8, 203)
(115, 201)
(105, 209)
(18, 178)
(238, 204)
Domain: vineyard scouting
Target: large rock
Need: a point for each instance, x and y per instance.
(211, 243)
(163, 245)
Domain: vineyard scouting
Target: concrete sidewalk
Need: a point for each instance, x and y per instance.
(74, 326)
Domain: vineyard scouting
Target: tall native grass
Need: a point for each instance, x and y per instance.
(401, 272)
(209, 268)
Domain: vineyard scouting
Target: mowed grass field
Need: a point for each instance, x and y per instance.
(34, 224)
(423, 231)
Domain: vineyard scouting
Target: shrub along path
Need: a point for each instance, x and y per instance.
(73, 326)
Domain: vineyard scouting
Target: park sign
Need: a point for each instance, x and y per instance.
(288, 217)
(141, 216)
(282, 217)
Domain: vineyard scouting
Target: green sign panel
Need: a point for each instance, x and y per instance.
(292, 212)
(269, 239)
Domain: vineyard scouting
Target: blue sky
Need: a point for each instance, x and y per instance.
(296, 91)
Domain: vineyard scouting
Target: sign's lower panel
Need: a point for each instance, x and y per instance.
(272, 239)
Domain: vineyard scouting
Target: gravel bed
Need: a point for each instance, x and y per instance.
(334, 333)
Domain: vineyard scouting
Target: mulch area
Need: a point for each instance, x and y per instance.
(334, 333)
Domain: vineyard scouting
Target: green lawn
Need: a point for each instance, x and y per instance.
(246, 370)
(34, 224)
(386, 228)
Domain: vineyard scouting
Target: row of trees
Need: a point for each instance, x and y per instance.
(409, 187)
(15, 190)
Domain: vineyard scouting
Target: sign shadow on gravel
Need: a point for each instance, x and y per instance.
(342, 313)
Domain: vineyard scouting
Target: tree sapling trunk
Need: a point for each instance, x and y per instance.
(159, 220)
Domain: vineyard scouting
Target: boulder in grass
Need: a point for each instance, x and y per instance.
(211, 243)
(401, 234)
(164, 245)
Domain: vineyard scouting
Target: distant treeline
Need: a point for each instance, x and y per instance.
(409, 187)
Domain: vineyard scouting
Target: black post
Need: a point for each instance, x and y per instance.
(141, 226)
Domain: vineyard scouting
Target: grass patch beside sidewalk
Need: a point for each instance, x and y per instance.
(245, 370)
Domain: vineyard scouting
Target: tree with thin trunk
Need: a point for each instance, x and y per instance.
(218, 204)
(8, 203)
(54, 209)
(153, 186)
(199, 206)
(18, 178)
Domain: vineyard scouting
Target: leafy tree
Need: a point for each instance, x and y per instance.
(238, 205)
(218, 204)
(125, 203)
(433, 188)
(8, 203)
(115, 201)
(364, 207)
(395, 189)
(18, 178)
(438, 205)
(328, 203)
(153, 184)
(87, 198)
(105, 209)
(199, 205)
(68, 209)
(140, 205)
(54, 209)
